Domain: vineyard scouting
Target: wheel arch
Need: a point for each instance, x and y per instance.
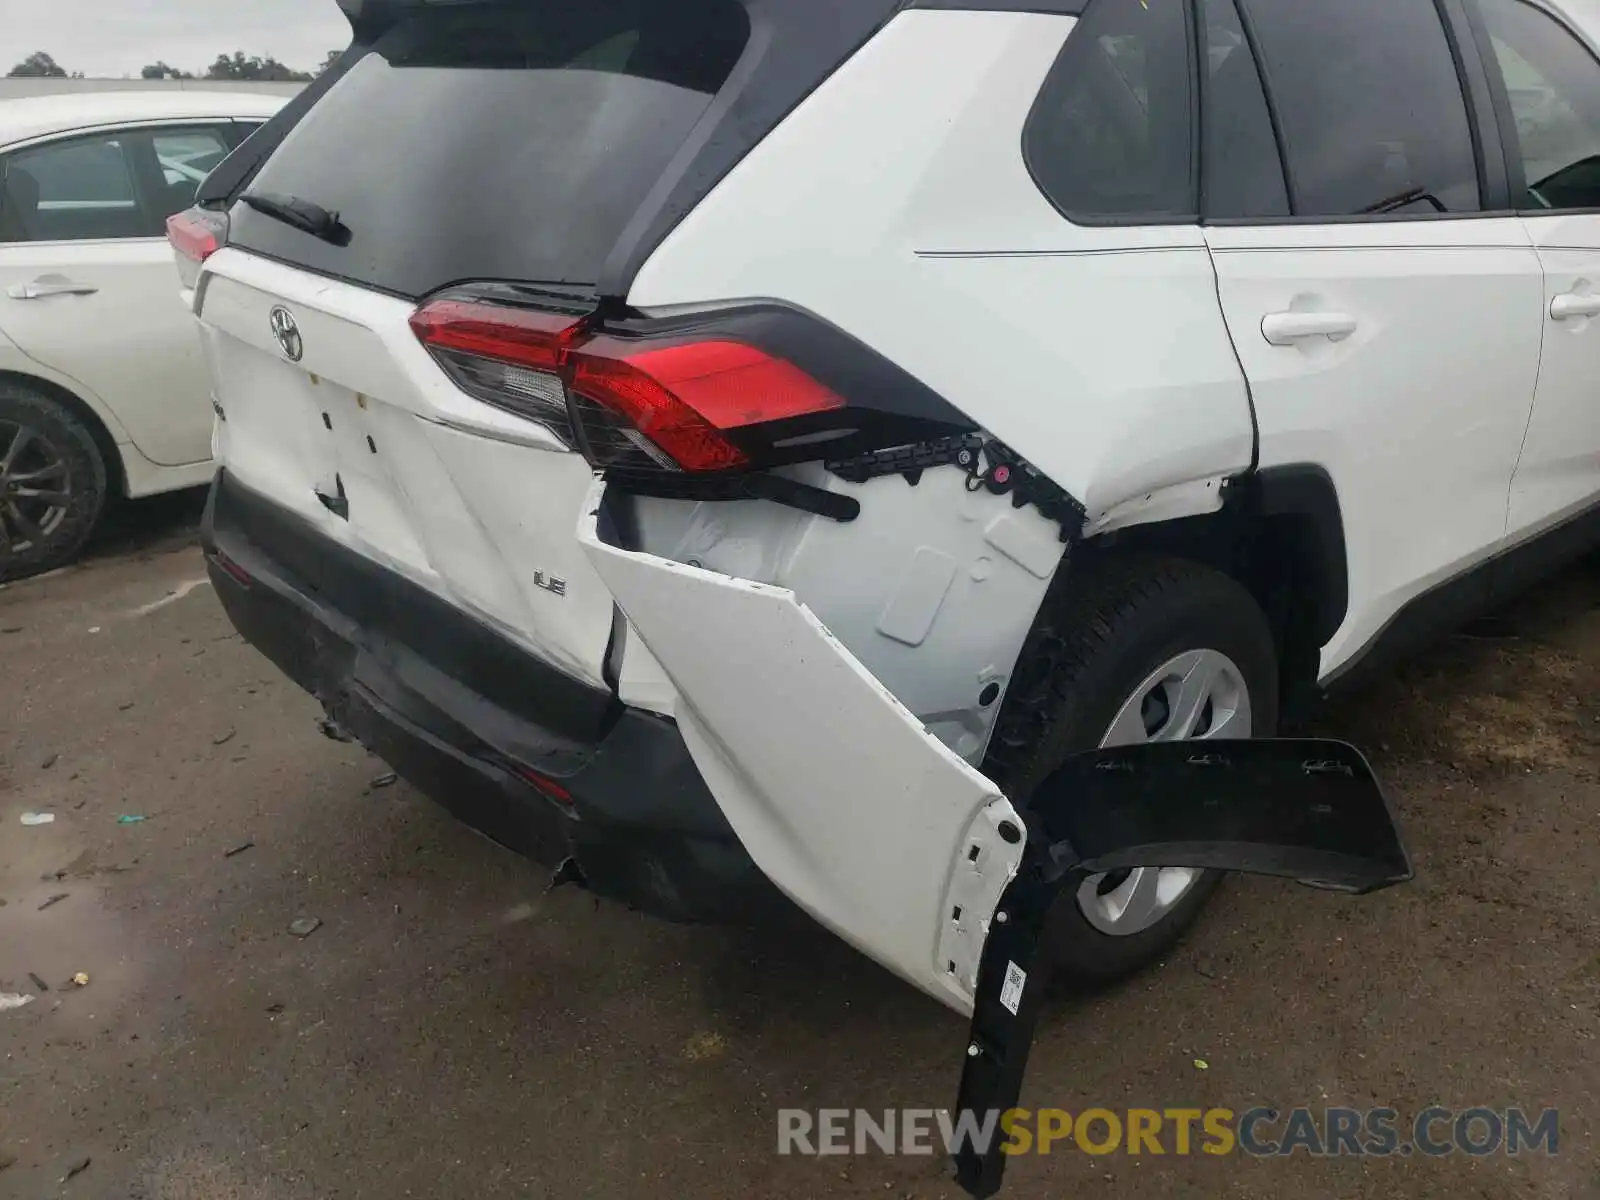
(99, 424)
(1279, 533)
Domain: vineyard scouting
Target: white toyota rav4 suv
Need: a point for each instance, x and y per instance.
(732, 443)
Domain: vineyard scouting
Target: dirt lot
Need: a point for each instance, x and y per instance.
(451, 1031)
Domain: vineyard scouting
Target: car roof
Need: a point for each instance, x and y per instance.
(37, 116)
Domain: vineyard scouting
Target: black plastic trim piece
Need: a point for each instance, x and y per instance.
(1482, 113)
(961, 451)
(1308, 491)
(737, 485)
(1306, 810)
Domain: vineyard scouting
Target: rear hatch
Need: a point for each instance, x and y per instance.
(531, 146)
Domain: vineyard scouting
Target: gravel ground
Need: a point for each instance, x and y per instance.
(449, 1030)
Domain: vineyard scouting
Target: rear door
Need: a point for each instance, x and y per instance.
(1552, 90)
(86, 280)
(1388, 321)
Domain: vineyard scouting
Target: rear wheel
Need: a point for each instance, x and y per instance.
(52, 483)
(1123, 653)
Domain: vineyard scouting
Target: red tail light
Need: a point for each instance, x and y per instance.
(508, 357)
(523, 336)
(667, 406)
(196, 235)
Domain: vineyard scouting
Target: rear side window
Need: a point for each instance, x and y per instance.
(1111, 135)
(81, 189)
(506, 140)
(1373, 115)
(1242, 170)
(1553, 84)
(184, 157)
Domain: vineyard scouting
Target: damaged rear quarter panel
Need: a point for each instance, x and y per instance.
(895, 203)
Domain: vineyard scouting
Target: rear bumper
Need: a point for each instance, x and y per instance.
(472, 719)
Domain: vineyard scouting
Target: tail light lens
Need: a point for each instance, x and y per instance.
(647, 405)
(505, 356)
(195, 235)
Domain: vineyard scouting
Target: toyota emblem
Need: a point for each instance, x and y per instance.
(287, 333)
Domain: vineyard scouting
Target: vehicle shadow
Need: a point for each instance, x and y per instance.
(154, 525)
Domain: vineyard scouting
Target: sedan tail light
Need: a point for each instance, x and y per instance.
(196, 234)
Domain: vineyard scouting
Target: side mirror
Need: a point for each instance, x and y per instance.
(1306, 810)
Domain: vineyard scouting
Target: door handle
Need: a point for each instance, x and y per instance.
(1574, 304)
(1287, 328)
(40, 289)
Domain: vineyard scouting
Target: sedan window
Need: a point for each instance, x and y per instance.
(75, 190)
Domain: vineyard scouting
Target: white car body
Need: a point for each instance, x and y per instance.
(832, 680)
(110, 330)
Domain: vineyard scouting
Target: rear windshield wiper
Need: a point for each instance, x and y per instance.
(301, 214)
(1405, 200)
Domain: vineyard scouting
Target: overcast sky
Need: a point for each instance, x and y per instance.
(117, 37)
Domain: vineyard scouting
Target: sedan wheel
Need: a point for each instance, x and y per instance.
(35, 488)
(52, 482)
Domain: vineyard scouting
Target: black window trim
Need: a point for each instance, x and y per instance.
(1118, 220)
(1274, 117)
(1500, 96)
(1495, 197)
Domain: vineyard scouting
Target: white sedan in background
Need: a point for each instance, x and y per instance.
(103, 392)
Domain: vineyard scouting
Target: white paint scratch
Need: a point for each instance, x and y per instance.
(182, 590)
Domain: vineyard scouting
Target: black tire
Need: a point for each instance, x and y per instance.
(57, 456)
(1102, 631)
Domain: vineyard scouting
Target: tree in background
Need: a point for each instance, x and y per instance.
(37, 66)
(160, 70)
(267, 69)
(333, 57)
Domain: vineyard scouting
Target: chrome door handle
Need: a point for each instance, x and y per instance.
(40, 289)
(1574, 304)
(1287, 328)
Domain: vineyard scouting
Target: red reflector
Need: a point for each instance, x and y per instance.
(192, 237)
(514, 335)
(234, 570)
(548, 786)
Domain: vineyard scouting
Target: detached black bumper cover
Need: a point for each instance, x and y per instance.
(1307, 810)
(537, 760)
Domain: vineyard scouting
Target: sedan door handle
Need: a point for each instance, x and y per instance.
(1574, 304)
(1287, 328)
(40, 289)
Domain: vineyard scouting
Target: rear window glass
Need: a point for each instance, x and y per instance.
(508, 141)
